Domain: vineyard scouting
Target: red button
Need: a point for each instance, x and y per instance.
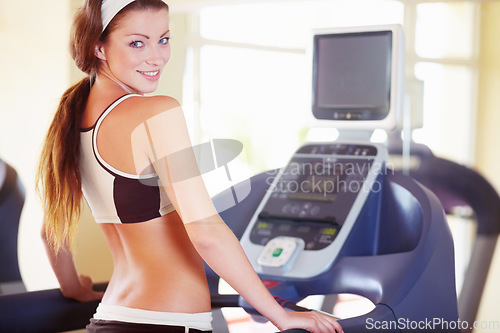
(270, 284)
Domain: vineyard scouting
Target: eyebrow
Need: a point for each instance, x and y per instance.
(146, 36)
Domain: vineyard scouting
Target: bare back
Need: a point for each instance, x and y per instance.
(156, 267)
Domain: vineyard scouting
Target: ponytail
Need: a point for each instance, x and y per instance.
(58, 176)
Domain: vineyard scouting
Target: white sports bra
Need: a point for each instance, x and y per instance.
(115, 196)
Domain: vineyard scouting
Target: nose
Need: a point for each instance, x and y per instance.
(158, 56)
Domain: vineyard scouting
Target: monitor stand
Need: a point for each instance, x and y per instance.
(354, 135)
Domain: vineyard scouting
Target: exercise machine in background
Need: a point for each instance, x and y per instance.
(12, 197)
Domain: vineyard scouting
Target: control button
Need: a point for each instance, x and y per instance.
(270, 283)
(277, 252)
(303, 229)
(315, 210)
(326, 236)
(356, 116)
(280, 253)
(286, 208)
(341, 149)
(329, 231)
(295, 209)
(285, 227)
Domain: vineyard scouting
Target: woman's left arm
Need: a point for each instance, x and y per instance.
(73, 285)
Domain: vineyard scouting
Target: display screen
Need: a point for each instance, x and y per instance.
(352, 75)
(317, 189)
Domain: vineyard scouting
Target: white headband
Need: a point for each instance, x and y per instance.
(110, 8)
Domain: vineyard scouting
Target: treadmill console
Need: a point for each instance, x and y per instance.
(311, 206)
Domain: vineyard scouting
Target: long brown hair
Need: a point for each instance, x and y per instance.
(58, 176)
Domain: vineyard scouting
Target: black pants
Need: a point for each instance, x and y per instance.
(111, 326)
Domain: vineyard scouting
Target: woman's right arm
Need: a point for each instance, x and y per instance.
(73, 285)
(222, 251)
(165, 140)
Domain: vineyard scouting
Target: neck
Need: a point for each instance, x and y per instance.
(106, 80)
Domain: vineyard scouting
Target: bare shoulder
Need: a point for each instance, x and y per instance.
(153, 104)
(137, 109)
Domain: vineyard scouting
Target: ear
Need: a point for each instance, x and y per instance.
(99, 52)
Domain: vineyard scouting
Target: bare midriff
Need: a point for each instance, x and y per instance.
(156, 267)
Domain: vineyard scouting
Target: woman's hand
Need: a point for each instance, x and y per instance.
(83, 292)
(73, 285)
(311, 321)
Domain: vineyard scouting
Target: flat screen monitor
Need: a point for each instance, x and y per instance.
(358, 76)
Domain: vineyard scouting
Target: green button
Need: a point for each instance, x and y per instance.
(277, 252)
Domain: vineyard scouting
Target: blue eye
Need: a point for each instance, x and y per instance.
(136, 44)
(164, 40)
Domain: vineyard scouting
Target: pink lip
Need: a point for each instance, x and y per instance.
(150, 77)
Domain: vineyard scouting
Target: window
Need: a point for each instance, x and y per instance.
(444, 30)
(445, 59)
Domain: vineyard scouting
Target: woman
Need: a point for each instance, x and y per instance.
(118, 147)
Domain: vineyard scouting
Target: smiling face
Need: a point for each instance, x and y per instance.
(137, 50)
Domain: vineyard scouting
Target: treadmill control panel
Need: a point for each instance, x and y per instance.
(311, 203)
(314, 194)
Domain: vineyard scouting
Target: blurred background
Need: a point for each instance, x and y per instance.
(241, 69)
